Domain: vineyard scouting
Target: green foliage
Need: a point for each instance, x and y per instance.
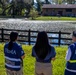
(29, 61)
(46, 18)
(23, 12)
(71, 1)
(59, 1)
(38, 6)
(33, 14)
(47, 1)
(16, 6)
(59, 63)
(0, 10)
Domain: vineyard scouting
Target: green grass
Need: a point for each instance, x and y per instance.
(29, 61)
(45, 18)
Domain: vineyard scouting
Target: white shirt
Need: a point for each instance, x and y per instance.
(68, 54)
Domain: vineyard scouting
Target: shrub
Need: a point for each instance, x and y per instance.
(33, 14)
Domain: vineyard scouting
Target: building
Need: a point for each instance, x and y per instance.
(56, 9)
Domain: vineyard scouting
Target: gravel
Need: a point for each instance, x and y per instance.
(22, 24)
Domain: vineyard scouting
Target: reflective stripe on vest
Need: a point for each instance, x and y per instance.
(70, 70)
(12, 59)
(12, 62)
(72, 61)
(11, 66)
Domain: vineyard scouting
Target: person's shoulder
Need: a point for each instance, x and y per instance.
(53, 52)
(72, 45)
(33, 51)
(33, 48)
(17, 45)
(6, 44)
(52, 47)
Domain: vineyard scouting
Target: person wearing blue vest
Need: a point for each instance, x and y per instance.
(71, 57)
(14, 56)
(44, 53)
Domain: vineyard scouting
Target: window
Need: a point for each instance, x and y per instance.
(68, 10)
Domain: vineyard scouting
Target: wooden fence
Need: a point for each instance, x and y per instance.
(29, 36)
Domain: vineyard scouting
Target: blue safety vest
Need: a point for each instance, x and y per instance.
(71, 64)
(13, 57)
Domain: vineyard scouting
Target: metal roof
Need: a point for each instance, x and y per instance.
(59, 6)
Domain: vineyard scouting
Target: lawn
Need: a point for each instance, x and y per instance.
(29, 62)
(45, 18)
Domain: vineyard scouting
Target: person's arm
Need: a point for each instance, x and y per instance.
(53, 54)
(21, 53)
(23, 56)
(53, 58)
(33, 52)
(68, 54)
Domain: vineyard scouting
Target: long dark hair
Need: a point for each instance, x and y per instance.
(42, 46)
(13, 37)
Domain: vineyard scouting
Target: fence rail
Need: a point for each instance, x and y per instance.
(29, 36)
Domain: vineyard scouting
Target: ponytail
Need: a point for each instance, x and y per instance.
(10, 45)
(13, 37)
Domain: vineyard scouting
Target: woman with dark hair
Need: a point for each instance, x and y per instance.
(44, 53)
(13, 56)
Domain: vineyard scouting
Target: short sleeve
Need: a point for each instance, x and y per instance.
(33, 52)
(4, 49)
(5, 46)
(72, 47)
(20, 52)
(68, 54)
(53, 52)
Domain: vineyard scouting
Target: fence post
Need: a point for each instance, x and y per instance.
(2, 35)
(29, 36)
(59, 41)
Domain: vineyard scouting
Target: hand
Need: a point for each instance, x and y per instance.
(23, 57)
(53, 58)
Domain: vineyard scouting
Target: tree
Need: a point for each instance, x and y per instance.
(20, 5)
(38, 6)
(70, 1)
(59, 1)
(17, 7)
(3, 6)
(28, 5)
(33, 13)
(14, 7)
(28, 8)
(46, 1)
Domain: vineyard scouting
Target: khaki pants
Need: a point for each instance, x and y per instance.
(43, 68)
(9, 72)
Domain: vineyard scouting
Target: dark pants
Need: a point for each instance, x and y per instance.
(69, 73)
